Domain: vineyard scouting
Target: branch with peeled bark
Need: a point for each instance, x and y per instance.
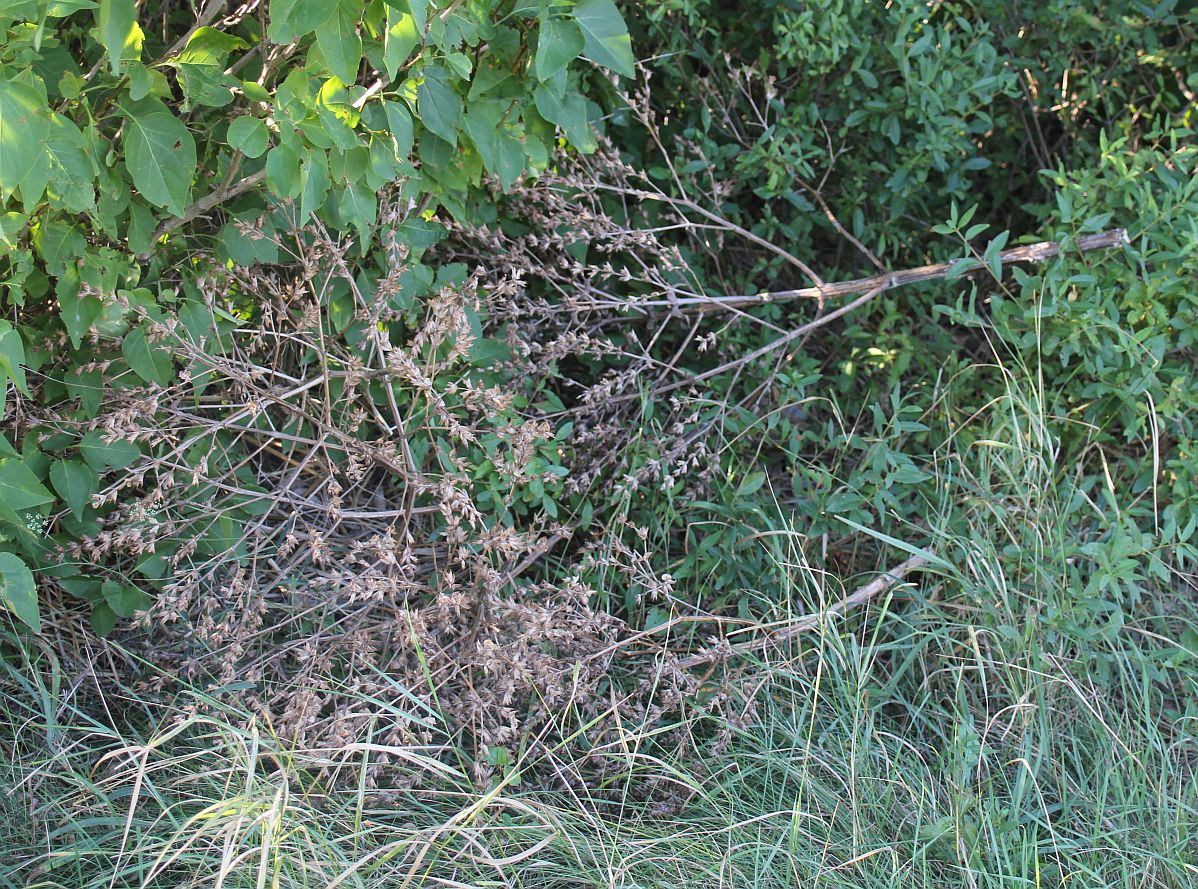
(875, 284)
(809, 622)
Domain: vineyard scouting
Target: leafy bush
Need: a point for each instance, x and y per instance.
(150, 156)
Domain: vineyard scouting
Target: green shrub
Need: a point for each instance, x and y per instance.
(149, 157)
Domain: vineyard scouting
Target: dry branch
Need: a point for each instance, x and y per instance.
(876, 586)
(1040, 252)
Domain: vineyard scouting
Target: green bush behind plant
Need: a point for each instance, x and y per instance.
(932, 133)
(123, 125)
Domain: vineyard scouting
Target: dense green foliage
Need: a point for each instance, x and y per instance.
(927, 134)
(120, 127)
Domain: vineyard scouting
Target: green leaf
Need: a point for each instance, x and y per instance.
(60, 243)
(246, 249)
(209, 46)
(103, 619)
(21, 10)
(144, 82)
(314, 184)
(159, 152)
(751, 485)
(77, 310)
(19, 487)
(440, 107)
(501, 152)
(605, 36)
(206, 85)
(358, 206)
(24, 127)
(282, 171)
(249, 136)
(72, 169)
(559, 43)
(292, 19)
(18, 591)
(101, 455)
(88, 387)
(124, 600)
(401, 37)
(570, 113)
(400, 123)
(12, 356)
(119, 32)
(339, 41)
(75, 483)
(143, 360)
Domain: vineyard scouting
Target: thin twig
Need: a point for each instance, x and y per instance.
(876, 586)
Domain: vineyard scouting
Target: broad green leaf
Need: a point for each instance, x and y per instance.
(119, 32)
(19, 487)
(401, 37)
(103, 619)
(559, 43)
(400, 123)
(339, 42)
(282, 171)
(209, 46)
(605, 36)
(358, 206)
(21, 10)
(243, 249)
(18, 591)
(24, 127)
(418, 10)
(461, 64)
(159, 152)
(292, 19)
(314, 184)
(206, 85)
(88, 387)
(570, 113)
(77, 310)
(60, 243)
(124, 600)
(501, 152)
(72, 169)
(151, 366)
(101, 455)
(751, 485)
(145, 81)
(384, 165)
(338, 117)
(440, 106)
(249, 136)
(75, 483)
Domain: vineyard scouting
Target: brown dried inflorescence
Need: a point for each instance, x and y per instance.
(335, 522)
